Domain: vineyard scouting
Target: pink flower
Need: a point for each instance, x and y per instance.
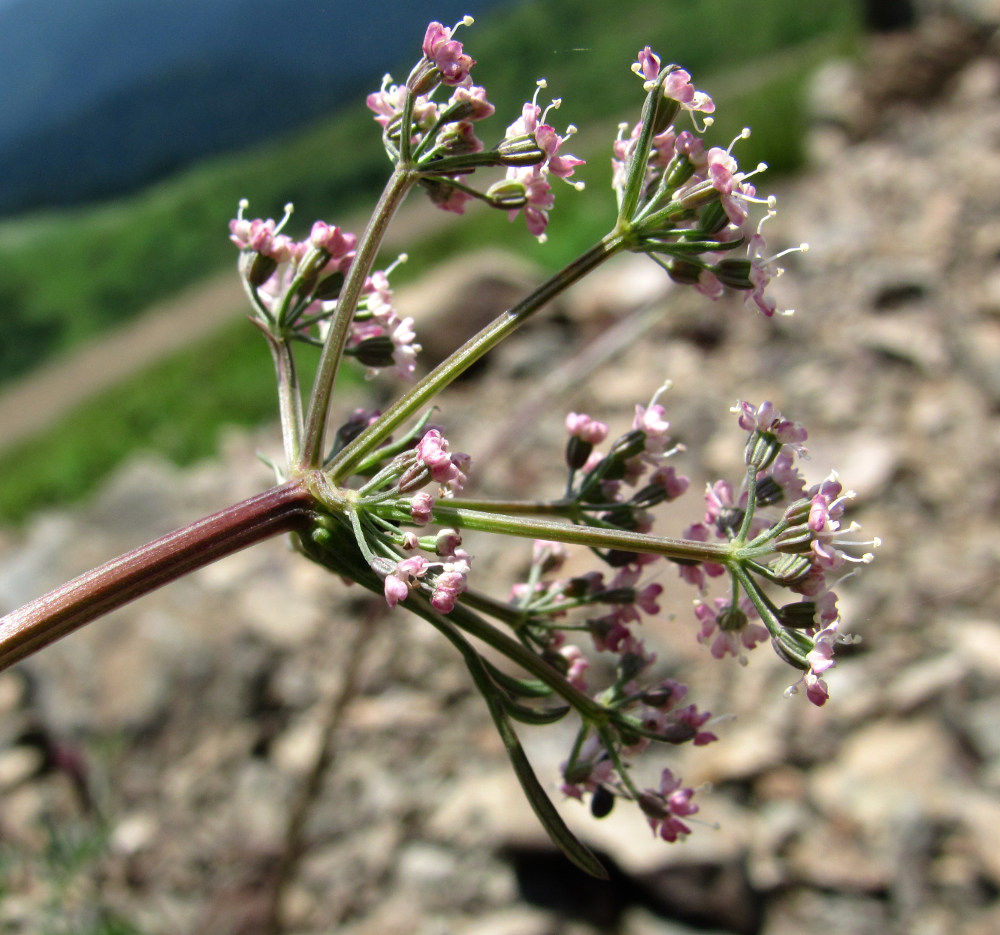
(728, 181)
(403, 578)
(538, 199)
(445, 468)
(332, 239)
(447, 587)
(727, 630)
(586, 429)
(578, 666)
(708, 285)
(674, 484)
(422, 508)
(766, 418)
(665, 807)
(447, 54)
(651, 421)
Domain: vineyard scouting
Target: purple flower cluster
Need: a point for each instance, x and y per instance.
(442, 142)
(295, 286)
(800, 548)
(395, 498)
(688, 206)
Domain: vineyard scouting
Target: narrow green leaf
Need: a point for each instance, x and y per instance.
(528, 715)
(551, 820)
(522, 688)
(540, 803)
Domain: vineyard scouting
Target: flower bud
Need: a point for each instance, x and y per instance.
(507, 194)
(424, 77)
(621, 518)
(520, 151)
(329, 287)
(792, 647)
(734, 273)
(677, 173)
(800, 615)
(577, 452)
(761, 450)
(712, 218)
(769, 492)
(617, 596)
(602, 802)
(661, 110)
(699, 196)
(684, 272)
(631, 665)
(659, 697)
(730, 518)
(732, 619)
(651, 495)
(628, 446)
(374, 352)
(790, 568)
(260, 269)
(557, 660)
(618, 558)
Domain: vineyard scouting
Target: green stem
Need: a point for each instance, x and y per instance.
(687, 549)
(566, 508)
(342, 466)
(319, 402)
(289, 396)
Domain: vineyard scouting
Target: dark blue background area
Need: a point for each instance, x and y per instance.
(104, 95)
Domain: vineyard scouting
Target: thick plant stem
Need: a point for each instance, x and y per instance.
(333, 349)
(112, 585)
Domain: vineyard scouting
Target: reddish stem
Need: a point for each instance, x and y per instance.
(42, 621)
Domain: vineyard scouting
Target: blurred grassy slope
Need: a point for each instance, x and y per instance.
(65, 276)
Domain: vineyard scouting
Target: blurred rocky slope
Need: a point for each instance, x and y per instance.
(148, 763)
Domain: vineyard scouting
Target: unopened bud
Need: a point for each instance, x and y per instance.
(628, 445)
(790, 568)
(761, 450)
(730, 519)
(769, 492)
(617, 596)
(260, 269)
(577, 452)
(712, 218)
(618, 558)
(732, 619)
(734, 273)
(793, 647)
(683, 271)
(329, 287)
(374, 352)
(601, 802)
(661, 109)
(507, 194)
(520, 151)
(659, 697)
(800, 615)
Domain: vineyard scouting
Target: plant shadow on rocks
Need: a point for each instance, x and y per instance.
(713, 896)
